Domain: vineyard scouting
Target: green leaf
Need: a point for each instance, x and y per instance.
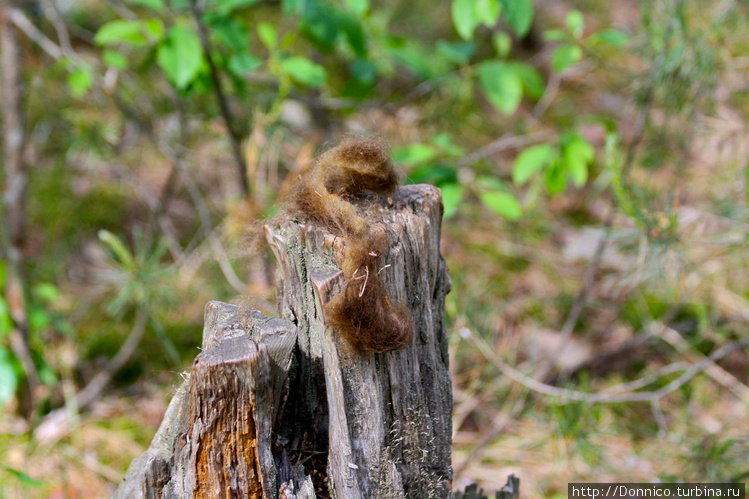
(502, 86)
(467, 15)
(412, 154)
(555, 35)
(267, 34)
(487, 11)
(227, 6)
(446, 144)
(8, 376)
(358, 7)
(352, 29)
(291, 6)
(575, 23)
(156, 5)
(46, 291)
(578, 170)
(38, 319)
(488, 183)
(611, 36)
(243, 63)
(120, 31)
(80, 80)
(529, 162)
(452, 195)
(459, 53)
(154, 27)
(435, 174)
(364, 71)
(3, 274)
(304, 71)
(230, 32)
(411, 53)
(565, 56)
(6, 322)
(23, 477)
(519, 15)
(464, 18)
(578, 153)
(556, 178)
(321, 22)
(180, 56)
(533, 82)
(503, 203)
(502, 44)
(114, 60)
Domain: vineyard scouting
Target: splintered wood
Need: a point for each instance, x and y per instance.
(286, 408)
(385, 426)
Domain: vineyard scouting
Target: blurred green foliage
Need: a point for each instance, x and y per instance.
(536, 121)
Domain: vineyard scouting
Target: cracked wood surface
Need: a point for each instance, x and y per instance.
(284, 407)
(386, 424)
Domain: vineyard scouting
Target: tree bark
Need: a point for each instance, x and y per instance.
(214, 440)
(386, 426)
(285, 408)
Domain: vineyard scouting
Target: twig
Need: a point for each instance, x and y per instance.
(12, 233)
(27, 27)
(177, 156)
(595, 263)
(498, 426)
(234, 137)
(509, 140)
(566, 395)
(94, 388)
(89, 461)
(50, 12)
(632, 386)
(506, 141)
(720, 375)
(660, 419)
(546, 99)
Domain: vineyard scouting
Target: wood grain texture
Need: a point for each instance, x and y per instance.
(386, 424)
(215, 439)
(286, 408)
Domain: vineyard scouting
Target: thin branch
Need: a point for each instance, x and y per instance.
(546, 99)
(717, 373)
(509, 140)
(234, 137)
(89, 460)
(567, 395)
(93, 389)
(176, 156)
(12, 233)
(632, 386)
(27, 27)
(590, 274)
(51, 13)
(498, 426)
(660, 419)
(506, 141)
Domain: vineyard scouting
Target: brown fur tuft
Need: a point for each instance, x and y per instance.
(362, 312)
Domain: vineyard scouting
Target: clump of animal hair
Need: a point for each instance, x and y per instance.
(363, 312)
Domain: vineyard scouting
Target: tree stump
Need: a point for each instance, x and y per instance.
(285, 408)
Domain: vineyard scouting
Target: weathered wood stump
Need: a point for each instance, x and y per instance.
(385, 428)
(215, 439)
(285, 408)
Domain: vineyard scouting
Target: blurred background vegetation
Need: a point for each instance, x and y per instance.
(593, 159)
